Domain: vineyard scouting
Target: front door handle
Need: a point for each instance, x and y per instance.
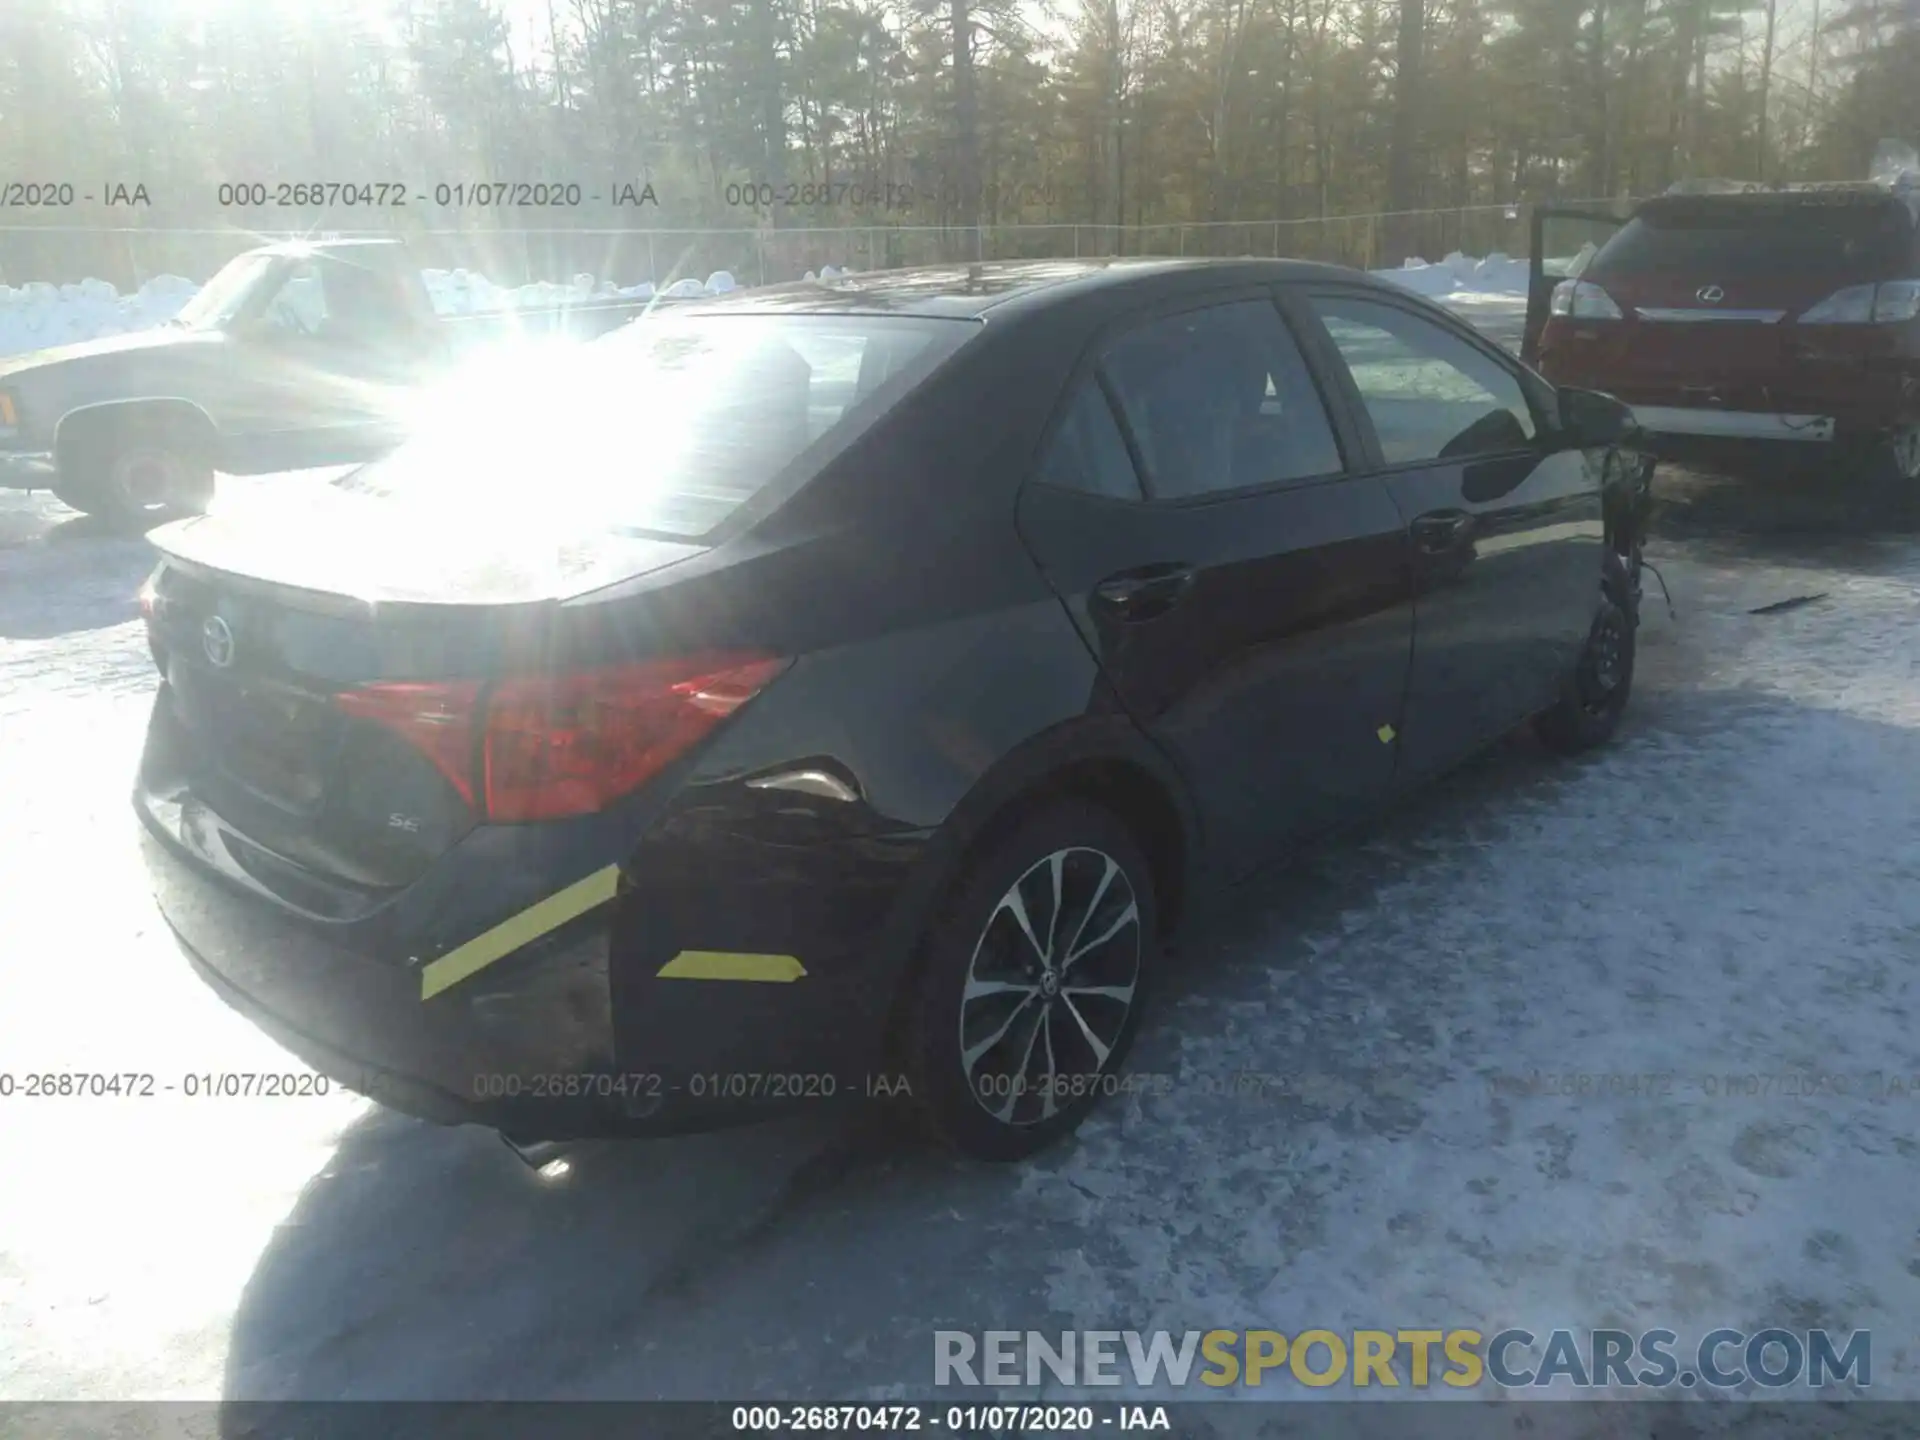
(1143, 594)
(1441, 532)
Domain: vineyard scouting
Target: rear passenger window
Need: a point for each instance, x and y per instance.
(1087, 452)
(1430, 395)
(1221, 399)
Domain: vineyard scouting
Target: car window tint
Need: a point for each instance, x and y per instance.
(834, 384)
(1762, 238)
(1221, 399)
(358, 300)
(1088, 452)
(1430, 395)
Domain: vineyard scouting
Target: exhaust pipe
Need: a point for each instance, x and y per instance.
(540, 1155)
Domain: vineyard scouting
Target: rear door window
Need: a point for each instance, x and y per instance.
(1220, 399)
(669, 425)
(1088, 452)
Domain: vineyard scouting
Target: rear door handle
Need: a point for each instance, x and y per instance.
(1143, 594)
(1441, 531)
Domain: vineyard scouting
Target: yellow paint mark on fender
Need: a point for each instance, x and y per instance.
(1386, 734)
(731, 965)
(510, 934)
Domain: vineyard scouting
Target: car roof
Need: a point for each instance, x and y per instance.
(971, 291)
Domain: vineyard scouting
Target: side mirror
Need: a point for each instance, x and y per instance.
(1594, 419)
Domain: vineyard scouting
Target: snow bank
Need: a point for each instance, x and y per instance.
(1459, 274)
(36, 315)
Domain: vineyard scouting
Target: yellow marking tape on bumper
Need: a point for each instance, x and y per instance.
(730, 965)
(517, 930)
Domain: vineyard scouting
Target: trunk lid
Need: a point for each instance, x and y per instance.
(260, 620)
(329, 538)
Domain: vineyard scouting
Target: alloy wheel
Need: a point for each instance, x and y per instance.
(1050, 987)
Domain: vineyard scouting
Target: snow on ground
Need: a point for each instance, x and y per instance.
(1727, 892)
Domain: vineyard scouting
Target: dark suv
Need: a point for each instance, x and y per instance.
(1739, 319)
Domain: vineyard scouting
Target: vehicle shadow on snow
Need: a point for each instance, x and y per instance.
(813, 1256)
(1778, 500)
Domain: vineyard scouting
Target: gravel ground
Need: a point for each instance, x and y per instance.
(1727, 892)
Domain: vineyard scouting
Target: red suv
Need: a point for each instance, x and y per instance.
(1742, 319)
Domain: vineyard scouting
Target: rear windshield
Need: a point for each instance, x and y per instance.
(665, 427)
(1753, 238)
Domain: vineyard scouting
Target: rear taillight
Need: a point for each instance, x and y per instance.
(436, 718)
(569, 745)
(551, 746)
(1888, 303)
(1582, 300)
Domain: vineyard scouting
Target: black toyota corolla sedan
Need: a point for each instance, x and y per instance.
(843, 688)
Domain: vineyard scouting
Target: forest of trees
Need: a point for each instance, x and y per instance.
(995, 112)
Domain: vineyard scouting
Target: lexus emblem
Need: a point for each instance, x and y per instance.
(216, 638)
(1712, 294)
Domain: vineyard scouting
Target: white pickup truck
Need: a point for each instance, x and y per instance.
(294, 354)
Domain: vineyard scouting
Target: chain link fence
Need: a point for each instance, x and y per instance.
(765, 254)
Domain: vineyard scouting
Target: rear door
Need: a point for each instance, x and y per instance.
(1505, 515)
(1564, 242)
(1248, 599)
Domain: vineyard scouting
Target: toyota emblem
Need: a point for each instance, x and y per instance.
(1712, 294)
(216, 638)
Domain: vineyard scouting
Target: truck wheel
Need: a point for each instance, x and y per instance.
(136, 473)
(1886, 475)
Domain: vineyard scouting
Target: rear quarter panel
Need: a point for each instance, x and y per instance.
(936, 673)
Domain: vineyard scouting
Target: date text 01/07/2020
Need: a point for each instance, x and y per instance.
(143, 1084)
(699, 1085)
(951, 1419)
(397, 194)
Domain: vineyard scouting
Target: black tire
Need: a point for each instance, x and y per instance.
(999, 1108)
(134, 473)
(1886, 476)
(1596, 694)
